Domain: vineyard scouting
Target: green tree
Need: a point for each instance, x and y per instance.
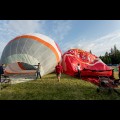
(112, 57)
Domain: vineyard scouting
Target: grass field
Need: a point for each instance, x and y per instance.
(49, 88)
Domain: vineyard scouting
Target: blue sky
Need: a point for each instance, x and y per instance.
(95, 35)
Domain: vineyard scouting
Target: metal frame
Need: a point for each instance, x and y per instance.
(4, 80)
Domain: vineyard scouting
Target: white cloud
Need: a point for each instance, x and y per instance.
(26, 26)
(60, 29)
(98, 46)
(105, 43)
(17, 27)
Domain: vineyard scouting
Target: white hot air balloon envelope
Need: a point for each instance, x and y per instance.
(23, 52)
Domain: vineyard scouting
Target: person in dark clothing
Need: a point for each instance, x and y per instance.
(79, 70)
(1, 71)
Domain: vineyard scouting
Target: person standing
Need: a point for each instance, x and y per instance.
(58, 70)
(38, 71)
(1, 71)
(78, 70)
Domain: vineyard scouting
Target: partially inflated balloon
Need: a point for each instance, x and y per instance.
(24, 52)
(90, 64)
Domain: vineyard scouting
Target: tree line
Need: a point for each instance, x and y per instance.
(112, 57)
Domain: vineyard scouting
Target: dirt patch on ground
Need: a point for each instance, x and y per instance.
(15, 78)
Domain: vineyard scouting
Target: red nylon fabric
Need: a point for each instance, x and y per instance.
(91, 65)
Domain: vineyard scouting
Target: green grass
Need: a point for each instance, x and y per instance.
(49, 88)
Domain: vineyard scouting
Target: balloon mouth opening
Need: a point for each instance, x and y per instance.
(26, 66)
(19, 67)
